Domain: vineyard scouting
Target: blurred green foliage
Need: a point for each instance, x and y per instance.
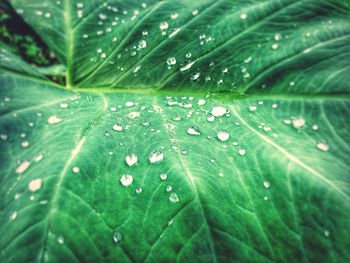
(21, 39)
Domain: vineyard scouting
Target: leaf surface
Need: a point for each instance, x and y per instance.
(255, 173)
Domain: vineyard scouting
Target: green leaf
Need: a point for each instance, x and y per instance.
(150, 165)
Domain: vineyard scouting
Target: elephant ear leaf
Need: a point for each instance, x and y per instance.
(187, 131)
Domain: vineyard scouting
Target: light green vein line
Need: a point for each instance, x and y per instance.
(290, 156)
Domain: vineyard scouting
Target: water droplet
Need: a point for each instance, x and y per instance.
(188, 55)
(131, 159)
(60, 240)
(138, 190)
(22, 167)
(129, 104)
(243, 16)
(298, 122)
(322, 146)
(252, 108)
(223, 136)
(126, 179)
(274, 46)
(116, 236)
(163, 177)
(195, 76)
(267, 184)
(327, 233)
(3, 137)
(277, 37)
(156, 157)
(169, 188)
(195, 12)
(75, 169)
(242, 152)
(35, 184)
(142, 44)
(287, 122)
(315, 127)
(24, 144)
(174, 15)
(64, 105)
(136, 69)
(193, 131)
(117, 127)
(173, 197)
(53, 120)
(201, 102)
(221, 174)
(218, 111)
(187, 66)
(164, 25)
(171, 61)
(211, 118)
(13, 216)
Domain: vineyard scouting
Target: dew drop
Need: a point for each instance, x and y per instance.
(116, 236)
(327, 233)
(35, 184)
(169, 188)
(298, 122)
(131, 159)
(126, 179)
(163, 177)
(186, 66)
(218, 111)
(117, 127)
(75, 169)
(13, 216)
(252, 108)
(315, 127)
(142, 44)
(277, 37)
(242, 152)
(193, 131)
(136, 69)
(274, 46)
(22, 167)
(173, 197)
(267, 184)
(201, 102)
(195, 76)
(54, 120)
(129, 104)
(60, 240)
(243, 16)
(211, 118)
(164, 25)
(223, 136)
(156, 157)
(174, 15)
(64, 105)
(322, 146)
(171, 61)
(138, 190)
(24, 144)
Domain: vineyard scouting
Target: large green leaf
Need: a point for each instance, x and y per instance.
(276, 189)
